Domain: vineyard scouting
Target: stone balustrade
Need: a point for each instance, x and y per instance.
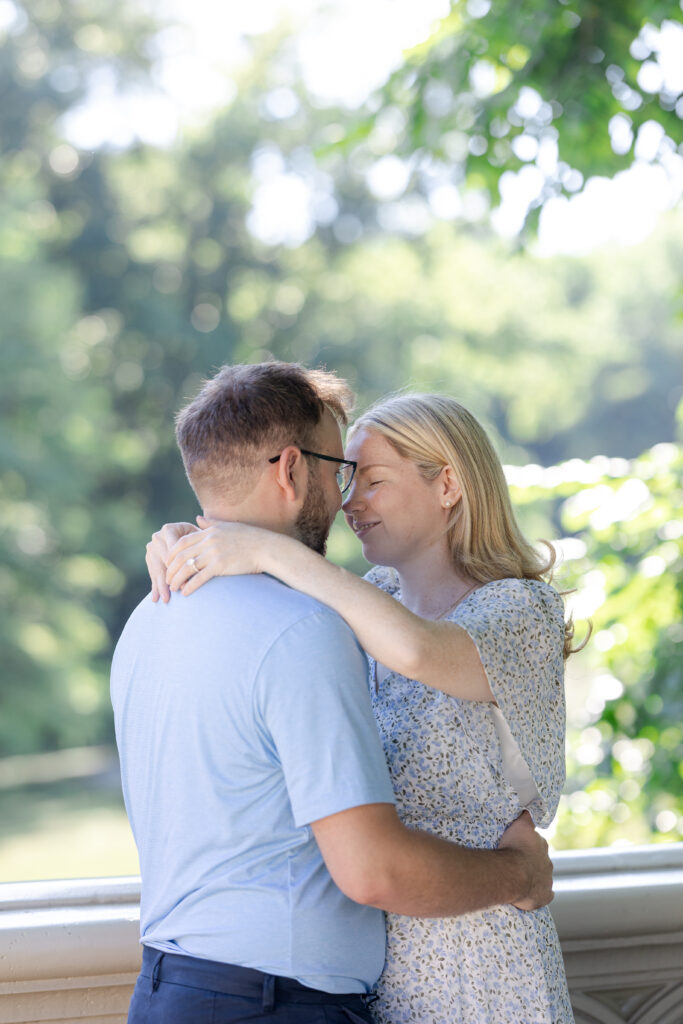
(69, 950)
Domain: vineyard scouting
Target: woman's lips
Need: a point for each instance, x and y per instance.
(361, 529)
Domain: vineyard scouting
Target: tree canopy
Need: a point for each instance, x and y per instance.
(559, 90)
(130, 273)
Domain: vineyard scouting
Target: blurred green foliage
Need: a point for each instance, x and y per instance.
(624, 556)
(128, 274)
(498, 87)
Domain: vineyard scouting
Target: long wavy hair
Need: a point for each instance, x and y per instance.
(484, 539)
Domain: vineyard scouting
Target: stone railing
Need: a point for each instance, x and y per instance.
(619, 914)
(69, 950)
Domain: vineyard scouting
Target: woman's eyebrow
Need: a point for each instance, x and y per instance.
(374, 465)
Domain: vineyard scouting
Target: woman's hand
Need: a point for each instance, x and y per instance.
(156, 556)
(218, 549)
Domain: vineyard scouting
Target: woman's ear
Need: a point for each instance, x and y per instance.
(450, 490)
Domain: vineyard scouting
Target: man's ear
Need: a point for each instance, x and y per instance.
(291, 474)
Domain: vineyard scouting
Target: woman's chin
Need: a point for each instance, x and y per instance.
(375, 553)
(368, 550)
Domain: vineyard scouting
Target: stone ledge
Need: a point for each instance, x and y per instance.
(69, 950)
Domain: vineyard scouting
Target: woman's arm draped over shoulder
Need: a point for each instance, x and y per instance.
(439, 654)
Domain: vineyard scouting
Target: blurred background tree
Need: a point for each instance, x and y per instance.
(551, 92)
(623, 552)
(277, 225)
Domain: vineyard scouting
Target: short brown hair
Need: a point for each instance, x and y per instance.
(248, 411)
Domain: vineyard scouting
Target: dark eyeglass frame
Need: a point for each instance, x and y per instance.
(343, 487)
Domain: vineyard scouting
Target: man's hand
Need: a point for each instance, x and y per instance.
(523, 837)
(156, 556)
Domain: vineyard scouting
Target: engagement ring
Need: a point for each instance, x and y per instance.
(192, 562)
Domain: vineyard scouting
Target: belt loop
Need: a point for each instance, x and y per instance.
(268, 993)
(156, 981)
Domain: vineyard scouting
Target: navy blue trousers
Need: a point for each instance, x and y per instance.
(184, 990)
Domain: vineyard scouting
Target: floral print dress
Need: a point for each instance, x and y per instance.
(450, 777)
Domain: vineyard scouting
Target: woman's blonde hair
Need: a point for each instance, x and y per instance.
(485, 541)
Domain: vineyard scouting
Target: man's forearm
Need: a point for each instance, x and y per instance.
(376, 860)
(426, 876)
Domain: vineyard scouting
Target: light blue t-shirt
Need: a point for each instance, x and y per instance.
(242, 714)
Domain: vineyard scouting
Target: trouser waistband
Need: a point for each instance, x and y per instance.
(231, 979)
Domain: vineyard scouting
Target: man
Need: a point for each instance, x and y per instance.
(252, 771)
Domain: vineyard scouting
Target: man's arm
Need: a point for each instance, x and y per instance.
(377, 861)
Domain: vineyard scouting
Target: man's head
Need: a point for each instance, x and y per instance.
(240, 420)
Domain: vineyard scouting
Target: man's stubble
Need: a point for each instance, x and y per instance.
(313, 523)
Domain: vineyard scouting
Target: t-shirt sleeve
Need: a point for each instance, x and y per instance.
(313, 707)
(518, 629)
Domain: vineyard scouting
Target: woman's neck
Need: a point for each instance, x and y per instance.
(432, 584)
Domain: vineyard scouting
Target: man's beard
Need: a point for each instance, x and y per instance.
(313, 522)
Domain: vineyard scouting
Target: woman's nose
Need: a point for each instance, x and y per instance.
(351, 499)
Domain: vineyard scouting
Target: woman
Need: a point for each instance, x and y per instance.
(466, 644)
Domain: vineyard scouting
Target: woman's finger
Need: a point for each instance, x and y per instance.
(186, 572)
(189, 562)
(206, 543)
(188, 540)
(155, 589)
(201, 560)
(181, 564)
(180, 574)
(171, 532)
(213, 549)
(196, 581)
(204, 522)
(156, 567)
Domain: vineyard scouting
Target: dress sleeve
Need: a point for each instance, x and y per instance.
(518, 629)
(384, 577)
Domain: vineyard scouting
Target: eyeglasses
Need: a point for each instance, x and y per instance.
(344, 474)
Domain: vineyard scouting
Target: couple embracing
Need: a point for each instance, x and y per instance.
(320, 843)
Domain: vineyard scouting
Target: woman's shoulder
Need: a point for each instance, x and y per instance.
(384, 577)
(534, 589)
(527, 597)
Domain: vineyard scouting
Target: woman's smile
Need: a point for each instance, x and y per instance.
(361, 529)
(388, 490)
